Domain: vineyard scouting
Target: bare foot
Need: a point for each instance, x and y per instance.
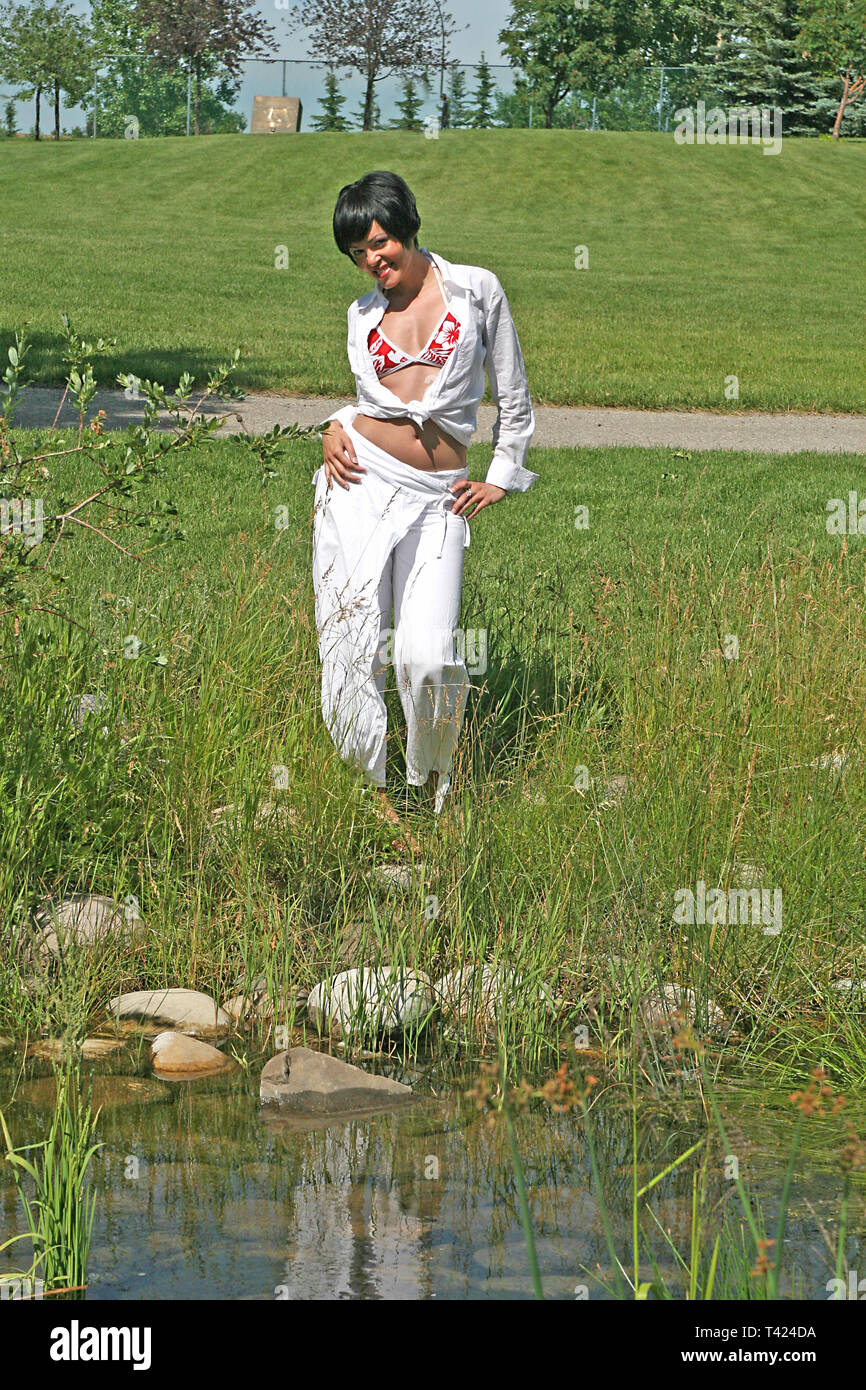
(408, 842)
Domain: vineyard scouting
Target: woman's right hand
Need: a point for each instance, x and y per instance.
(340, 459)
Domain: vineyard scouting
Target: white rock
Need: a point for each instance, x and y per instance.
(659, 1008)
(369, 1000)
(192, 1011)
(831, 762)
(400, 875)
(484, 992)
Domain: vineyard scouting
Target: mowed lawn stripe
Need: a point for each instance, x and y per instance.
(704, 262)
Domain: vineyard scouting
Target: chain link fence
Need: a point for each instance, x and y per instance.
(133, 97)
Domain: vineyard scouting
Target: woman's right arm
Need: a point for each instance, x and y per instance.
(340, 459)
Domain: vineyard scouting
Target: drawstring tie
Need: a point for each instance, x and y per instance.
(445, 503)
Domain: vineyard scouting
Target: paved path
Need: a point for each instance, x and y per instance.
(556, 426)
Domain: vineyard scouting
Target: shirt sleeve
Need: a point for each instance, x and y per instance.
(515, 419)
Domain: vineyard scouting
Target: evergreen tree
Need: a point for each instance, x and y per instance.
(378, 39)
(409, 108)
(458, 115)
(512, 108)
(331, 117)
(757, 61)
(481, 113)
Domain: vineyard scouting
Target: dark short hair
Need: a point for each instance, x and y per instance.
(380, 197)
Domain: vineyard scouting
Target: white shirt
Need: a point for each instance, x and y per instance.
(487, 340)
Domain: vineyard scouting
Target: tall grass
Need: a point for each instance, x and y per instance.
(59, 1209)
(727, 1256)
(610, 659)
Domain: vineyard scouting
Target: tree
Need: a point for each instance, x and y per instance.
(756, 60)
(561, 47)
(375, 118)
(409, 108)
(331, 117)
(513, 108)
(131, 83)
(458, 114)
(378, 39)
(833, 34)
(196, 30)
(45, 47)
(481, 114)
(9, 118)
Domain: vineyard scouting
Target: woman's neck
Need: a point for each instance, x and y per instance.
(412, 283)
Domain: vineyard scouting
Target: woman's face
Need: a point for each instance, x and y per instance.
(382, 256)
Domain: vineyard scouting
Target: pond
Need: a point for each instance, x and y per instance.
(204, 1193)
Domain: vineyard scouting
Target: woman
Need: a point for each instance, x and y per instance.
(392, 533)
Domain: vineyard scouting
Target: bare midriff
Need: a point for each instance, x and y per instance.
(427, 447)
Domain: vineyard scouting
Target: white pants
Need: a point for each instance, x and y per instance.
(391, 540)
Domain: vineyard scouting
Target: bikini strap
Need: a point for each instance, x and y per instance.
(439, 279)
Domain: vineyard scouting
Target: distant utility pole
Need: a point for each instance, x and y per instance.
(442, 60)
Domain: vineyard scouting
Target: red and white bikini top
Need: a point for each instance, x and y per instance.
(388, 358)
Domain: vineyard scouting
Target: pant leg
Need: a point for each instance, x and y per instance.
(431, 676)
(383, 657)
(352, 584)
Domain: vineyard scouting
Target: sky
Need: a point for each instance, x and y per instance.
(479, 23)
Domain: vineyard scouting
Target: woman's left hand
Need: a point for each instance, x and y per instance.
(476, 496)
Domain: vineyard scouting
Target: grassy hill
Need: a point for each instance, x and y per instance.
(704, 262)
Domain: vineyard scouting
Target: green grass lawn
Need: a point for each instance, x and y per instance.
(704, 262)
(607, 649)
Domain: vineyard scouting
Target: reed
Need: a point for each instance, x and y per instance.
(59, 1208)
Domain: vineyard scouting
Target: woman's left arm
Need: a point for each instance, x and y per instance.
(515, 419)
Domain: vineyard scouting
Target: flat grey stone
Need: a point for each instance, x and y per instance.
(89, 1047)
(189, 1009)
(84, 919)
(79, 706)
(305, 1082)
